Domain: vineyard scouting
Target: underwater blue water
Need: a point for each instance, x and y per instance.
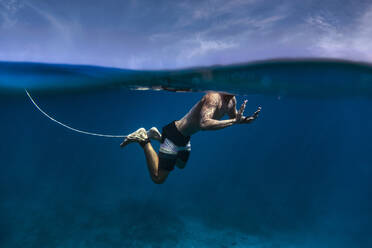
(300, 176)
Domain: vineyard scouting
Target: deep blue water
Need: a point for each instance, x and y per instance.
(300, 176)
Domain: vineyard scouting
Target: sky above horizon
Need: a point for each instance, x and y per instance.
(146, 34)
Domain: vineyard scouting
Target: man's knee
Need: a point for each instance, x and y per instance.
(183, 157)
(180, 164)
(161, 177)
(158, 180)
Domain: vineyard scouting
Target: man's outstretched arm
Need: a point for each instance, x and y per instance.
(236, 117)
(211, 124)
(207, 122)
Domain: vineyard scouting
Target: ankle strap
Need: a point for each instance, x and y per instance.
(143, 143)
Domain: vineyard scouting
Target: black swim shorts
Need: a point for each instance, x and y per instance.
(174, 146)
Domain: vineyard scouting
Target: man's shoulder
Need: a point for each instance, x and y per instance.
(212, 94)
(212, 97)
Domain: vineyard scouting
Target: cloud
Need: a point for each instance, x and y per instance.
(216, 8)
(200, 46)
(8, 12)
(363, 36)
(173, 34)
(61, 27)
(320, 22)
(224, 27)
(352, 43)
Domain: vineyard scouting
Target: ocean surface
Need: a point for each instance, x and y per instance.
(299, 176)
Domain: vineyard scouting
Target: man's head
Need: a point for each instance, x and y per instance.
(226, 95)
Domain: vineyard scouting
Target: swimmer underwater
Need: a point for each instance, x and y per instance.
(174, 140)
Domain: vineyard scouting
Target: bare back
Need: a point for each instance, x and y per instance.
(213, 105)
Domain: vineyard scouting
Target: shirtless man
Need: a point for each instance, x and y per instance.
(175, 138)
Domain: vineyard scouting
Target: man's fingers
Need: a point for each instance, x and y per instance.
(242, 108)
(241, 111)
(257, 111)
(252, 117)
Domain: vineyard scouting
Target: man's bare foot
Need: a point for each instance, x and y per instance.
(138, 136)
(153, 133)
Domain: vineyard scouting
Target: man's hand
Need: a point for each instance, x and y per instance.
(241, 119)
(239, 116)
(253, 117)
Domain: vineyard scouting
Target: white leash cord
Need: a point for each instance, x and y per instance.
(71, 128)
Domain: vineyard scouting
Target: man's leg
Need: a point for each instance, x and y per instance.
(158, 175)
(183, 156)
